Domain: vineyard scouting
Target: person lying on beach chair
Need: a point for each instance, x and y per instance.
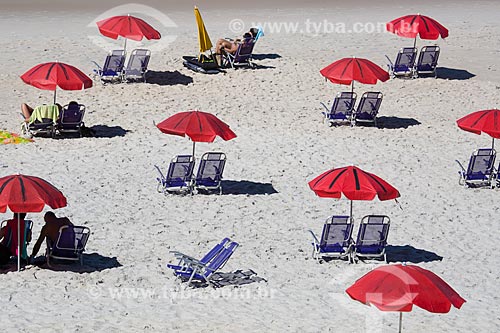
(231, 46)
(40, 120)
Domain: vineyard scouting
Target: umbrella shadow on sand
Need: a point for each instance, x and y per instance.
(236, 278)
(104, 131)
(453, 74)
(92, 262)
(246, 187)
(168, 78)
(396, 122)
(407, 253)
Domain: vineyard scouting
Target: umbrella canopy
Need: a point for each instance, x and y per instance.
(399, 287)
(127, 26)
(198, 126)
(25, 194)
(487, 121)
(411, 26)
(203, 38)
(354, 183)
(50, 75)
(347, 70)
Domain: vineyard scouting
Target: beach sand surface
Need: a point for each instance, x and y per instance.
(267, 206)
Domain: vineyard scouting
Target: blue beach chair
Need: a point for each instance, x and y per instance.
(7, 241)
(427, 61)
(368, 108)
(202, 272)
(372, 237)
(209, 175)
(480, 171)
(71, 119)
(137, 65)
(335, 240)
(179, 175)
(70, 244)
(342, 108)
(113, 67)
(242, 56)
(404, 65)
(184, 260)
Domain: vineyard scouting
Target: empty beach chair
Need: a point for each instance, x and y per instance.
(368, 107)
(70, 244)
(480, 171)
(113, 66)
(372, 237)
(342, 108)
(404, 65)
(242, 56)
(10, 239)
(209, 175)
(185, 260)
(71, 119)
(43, 121)
(427, 61)
(179, 175)
(137, 65)
(203, 272)
(335, 240)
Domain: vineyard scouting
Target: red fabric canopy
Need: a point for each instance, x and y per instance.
(127, 26)
(487, 121)
(347, 70)
(24, 194)
(197, 125)
(399, 287)
(50, 75)
(412, 25)
(354, 183)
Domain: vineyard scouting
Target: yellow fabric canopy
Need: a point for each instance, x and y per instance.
(203, 38)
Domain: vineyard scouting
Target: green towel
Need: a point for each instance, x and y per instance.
(44, 111)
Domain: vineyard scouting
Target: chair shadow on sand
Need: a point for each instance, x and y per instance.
(168, 78)
(104, 131)
(92, 262)
(396, 122)
(453, 74)
(236, 278)
(407, 253)
(266, 56)
(246, 187)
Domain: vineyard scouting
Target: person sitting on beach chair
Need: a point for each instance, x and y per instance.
(50, 230)
(8, 237)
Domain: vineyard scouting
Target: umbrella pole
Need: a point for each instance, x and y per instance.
(400, 321)
(125, 45)
(492, 143)
(352, 219)
(194, 143)
(192, 185)
(415, 42)
(18, 242)
(55, 95)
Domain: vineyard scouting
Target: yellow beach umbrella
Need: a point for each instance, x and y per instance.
(203, 38)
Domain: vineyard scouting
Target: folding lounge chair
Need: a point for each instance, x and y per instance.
(42, 121)
(203, 272)
(242, 56)
(209, 175)
(70, 244)
(71, 119)
(179, 175)
(372, 237)
(335, 240)
(427, 61)
(28, 227)
(342, 108)
(368, 107)
(405, 63)
(113, 66)
(480, 171)
(185, 260)
(137, 65)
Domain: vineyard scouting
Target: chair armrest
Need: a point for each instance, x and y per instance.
(315, 239)
(461, 167)
(326, 108)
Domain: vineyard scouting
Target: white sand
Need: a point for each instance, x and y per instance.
(281, 145)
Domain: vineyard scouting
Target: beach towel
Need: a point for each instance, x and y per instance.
(8, 137)
(45, 112)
